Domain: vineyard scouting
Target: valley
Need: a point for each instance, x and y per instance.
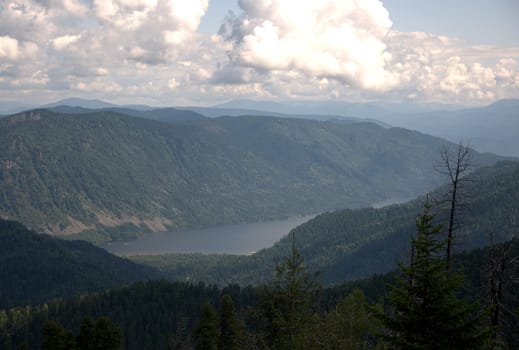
(357, 243)
(197, 208)
(259, 175)
(106, 176)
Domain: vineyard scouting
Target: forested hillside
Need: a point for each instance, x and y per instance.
(356, 243)
(35, 268)
(108, 176)
(163, 114)
(160, 314)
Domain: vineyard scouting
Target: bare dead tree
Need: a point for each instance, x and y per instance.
(455, 164)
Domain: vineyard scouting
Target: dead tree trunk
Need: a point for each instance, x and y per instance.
(455, 164)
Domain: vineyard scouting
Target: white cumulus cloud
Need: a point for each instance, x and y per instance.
(437, 68)
(64, 41)
(11, 49)
(148, 31)
(8, 48)
(151, 51)
(342, 40)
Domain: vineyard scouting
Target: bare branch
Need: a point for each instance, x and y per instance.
(455, 164)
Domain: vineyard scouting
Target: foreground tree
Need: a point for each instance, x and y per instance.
(106, 335)
(100, 335)
(287, 306)
(427, 312)
(205, 335)
(351, 325)
(56, 337)
(232, 329)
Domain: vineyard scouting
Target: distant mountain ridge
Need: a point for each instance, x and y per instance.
(373, 110)
(114, 176)
(162, 114)
(80, 102)
(492, 128)
(77, 105)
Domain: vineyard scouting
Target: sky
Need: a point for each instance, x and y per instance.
(205, 52)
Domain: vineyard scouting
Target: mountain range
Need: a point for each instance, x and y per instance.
(107, 175)
(490, 128)
(98, 171)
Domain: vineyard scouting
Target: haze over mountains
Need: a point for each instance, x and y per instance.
(491, 128)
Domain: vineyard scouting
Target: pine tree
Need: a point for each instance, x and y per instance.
(287, 305)
(205, 335)
(231, 328)
(351, 325)
(427, 312)
(56, 337)
(87, 335)
(108, 335)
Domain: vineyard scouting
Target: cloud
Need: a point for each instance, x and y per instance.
(438, 68)
(78, 46)
(172, 83)
(26, 20)
(342, 40)
(11, 49)
(347, 49)
(65, 40)
(149, 31)
(75, 8)
(8, 48)
(151, 51)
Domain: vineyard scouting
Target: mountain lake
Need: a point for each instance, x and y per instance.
(229, 239)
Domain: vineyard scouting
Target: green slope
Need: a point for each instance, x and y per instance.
(111, 176)
(350, 244)
(152, 313)
(35, 267)
(172, 115)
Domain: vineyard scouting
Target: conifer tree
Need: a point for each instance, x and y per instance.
(287, 306)
(231, 328)
(87, 335)
(427, 312)
(56, 337)
(205, 335)
(351, 325)
(108, 336)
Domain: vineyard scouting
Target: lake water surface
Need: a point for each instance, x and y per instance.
(231, 239)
